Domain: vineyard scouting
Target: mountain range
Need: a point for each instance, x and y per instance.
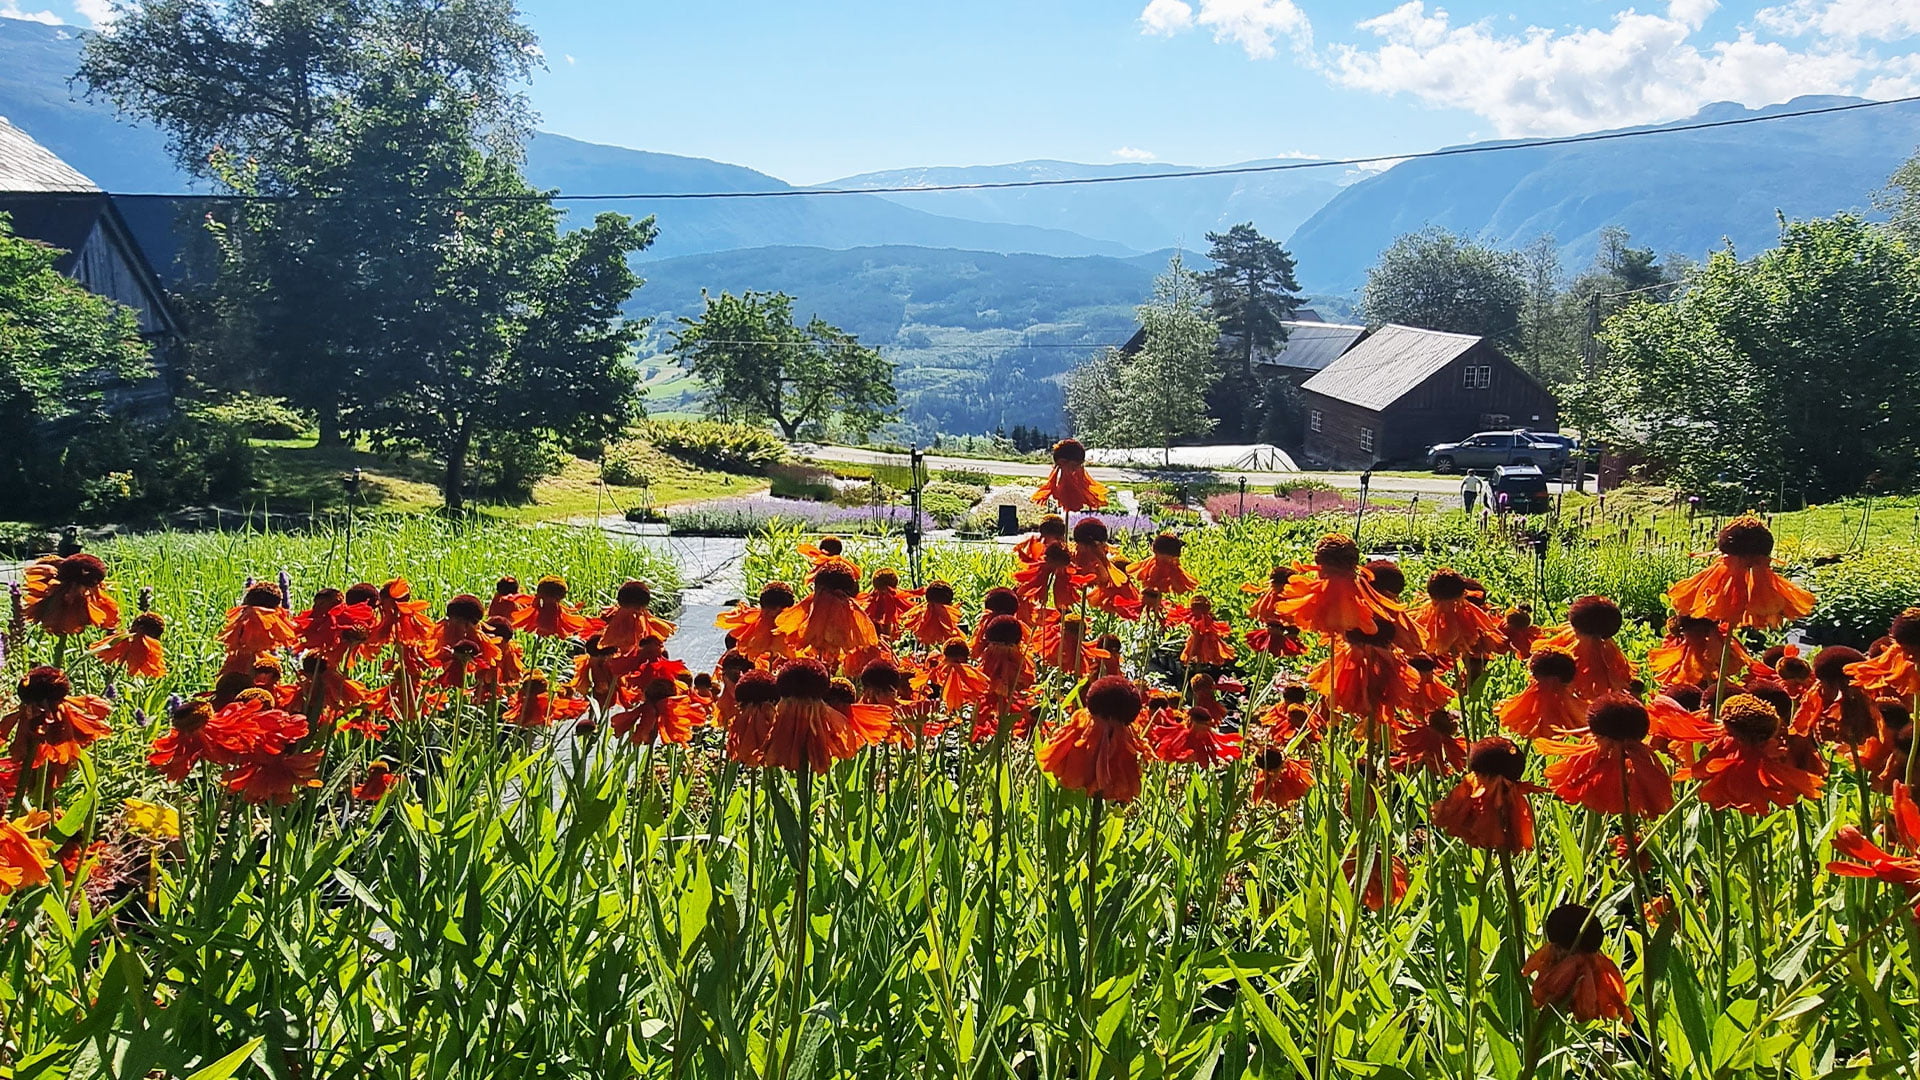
(965, 286)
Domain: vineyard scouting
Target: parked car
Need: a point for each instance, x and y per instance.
(1491, 448)
(1519, 489)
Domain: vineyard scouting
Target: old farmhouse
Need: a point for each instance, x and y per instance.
(49, 201)
(1401, 389)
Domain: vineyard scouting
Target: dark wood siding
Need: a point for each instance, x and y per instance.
(1442, 408)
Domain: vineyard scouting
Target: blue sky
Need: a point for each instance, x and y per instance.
(813, 91)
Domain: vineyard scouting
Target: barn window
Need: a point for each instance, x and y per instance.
(1313, 419)
(1477, 376)
(1366, 439)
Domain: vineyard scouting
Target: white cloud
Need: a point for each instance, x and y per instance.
(1881, 20)
(1134, 153)
(97, 12)
(1643, 68)
(11, 10)
(1252, 24)
(569, 58)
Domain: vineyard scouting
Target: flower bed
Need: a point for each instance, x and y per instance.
(747, 514)
(1290, 506)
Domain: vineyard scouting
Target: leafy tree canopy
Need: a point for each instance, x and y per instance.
(759, 366)
(1158, 394)
(1439, 281)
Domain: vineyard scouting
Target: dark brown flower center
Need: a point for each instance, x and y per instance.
(1004, 630)
(1336, 551)
(82, 571)
(940, 593)
(634, 594)
(804, 679)
(1000, 601)
(1746, 537)
(1091, 530)
(756, 687)
(1573, 928)
(1497, 757)
(1618, 717)
(1906, 629)
(1387, 576)
(1168, 544)
(1595, 616)
(1749, 719)
(507, 586)
(148, 624)
(837, 576)
(362, 593)
(885, 578)
(775, 595)
(1069, 452)
(264, 594)
(44, 686)
(832, 545)
(1830, 664)
(955, 651)
(1114, 699)
(551, 588)
(881, 676)
(1446, 584)
(466, 608)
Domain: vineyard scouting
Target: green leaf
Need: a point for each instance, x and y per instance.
(230, 1065)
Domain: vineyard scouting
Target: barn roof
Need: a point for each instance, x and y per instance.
(25, 165)
(1311, 346)
(1388, 364)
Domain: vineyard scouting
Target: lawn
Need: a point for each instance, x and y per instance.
(592, 877)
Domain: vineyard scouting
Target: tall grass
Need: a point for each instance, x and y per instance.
(551, 904)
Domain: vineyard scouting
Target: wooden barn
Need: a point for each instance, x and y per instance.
(49, 201)
(1401, 389)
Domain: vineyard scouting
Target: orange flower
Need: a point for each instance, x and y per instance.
(1068, 483)
(460, 638)
(1692, 653)
(258, 624)
(828, 622)
(958, 682)
(550, 615)
(808, 731)
(138, 651)
(1488, 808)
(755, 696)
(68, 595)
(312, 628)
(1434, 745)
(1893, 670)
(1052, 529)
(1338, 595)
(1571, 972)
(885, 602)
(52, 724)
(1118, 594)
(1279, 780)
(24, 857)
(755, 630)
(508, 601)
(1740, 588)
(1865, 859)
(1546, 708)
(1375, 895)
(399, 619)
(1277, 639)
(1267, 597)
(631, 618)
(274, 778)
(1612, 771)
(1516, 626)
(1161, 571)
(535, 706)
(1450, 623)
(490, 683)
(594, 677)
(1051, 581)
(664, 714)
(1206, 636)
(249, 725)
(1834, 709)
(1751, 768)
(829, 547)
(1092, 556)
(1592, 621)
(1004, 659)
(935, 620)
(377, 781)
(1097, 750)
(1187, 736)
(1367, 678)
(1062, 644)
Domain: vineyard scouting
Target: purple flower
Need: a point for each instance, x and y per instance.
(745, 513)
(286, 590)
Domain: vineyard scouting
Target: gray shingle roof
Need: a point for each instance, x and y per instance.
(25, 165)
(1382, 369)
(1311, 346)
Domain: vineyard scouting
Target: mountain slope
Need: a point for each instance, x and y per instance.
(1144, 215)
(979, 337)
(35, 94)
(1683, 193)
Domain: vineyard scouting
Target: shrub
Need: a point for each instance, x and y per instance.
(256, 416)
(945, 507)
(735, 448)
(801, 482)
(508, 464)
(111, 468)
(973, 478)
(1860, 595)
(624, 463)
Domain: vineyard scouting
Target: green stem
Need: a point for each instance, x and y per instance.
(803, 872)
(1091, 936)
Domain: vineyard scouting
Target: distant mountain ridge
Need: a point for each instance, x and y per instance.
(1687, 194)
(1145, 215)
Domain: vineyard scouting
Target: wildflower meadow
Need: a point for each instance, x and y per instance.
(1435, 796)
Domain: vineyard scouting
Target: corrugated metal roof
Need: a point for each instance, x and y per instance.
(25, 165)
(1311, 346)
(1392, 361)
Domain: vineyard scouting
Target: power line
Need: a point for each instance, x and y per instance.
(1001, 185)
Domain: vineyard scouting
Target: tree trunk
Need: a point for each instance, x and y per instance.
(453, 486)
(789, 428)
(329, 413)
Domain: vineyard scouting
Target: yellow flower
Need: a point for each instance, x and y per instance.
(151, 819)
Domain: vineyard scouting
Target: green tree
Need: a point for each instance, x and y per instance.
(1437, 280)
(60, 348)
(1545, 344)
(1789, 374)
(1252, 292)
(520, 346)
(1158, 394)
(345, 109)
(1900, 200)
(757, 365)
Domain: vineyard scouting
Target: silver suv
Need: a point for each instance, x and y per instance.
(1491, 448)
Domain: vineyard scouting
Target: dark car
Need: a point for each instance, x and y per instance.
(1519, 489)
(1493, 448)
